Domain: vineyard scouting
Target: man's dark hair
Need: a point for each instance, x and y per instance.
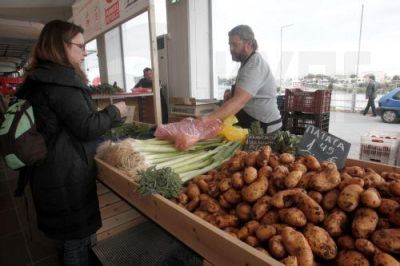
(372, 77)
(245, 33)
(147, 69)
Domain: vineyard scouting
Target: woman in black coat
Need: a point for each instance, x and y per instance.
(64, 185)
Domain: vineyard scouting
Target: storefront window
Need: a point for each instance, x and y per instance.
(114, 57)
(92, 63)
(136, 43)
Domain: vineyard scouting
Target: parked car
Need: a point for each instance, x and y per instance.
(389, 106)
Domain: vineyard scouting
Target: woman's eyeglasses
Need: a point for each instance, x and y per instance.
(82, 46)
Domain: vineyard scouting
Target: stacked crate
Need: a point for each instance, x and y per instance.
(381, 146)
(304, 108)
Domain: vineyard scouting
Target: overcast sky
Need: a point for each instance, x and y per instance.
(323, 38)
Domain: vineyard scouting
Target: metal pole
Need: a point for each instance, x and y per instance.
(354, 96)
(281, 63)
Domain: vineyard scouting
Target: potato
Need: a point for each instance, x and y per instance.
(335, 223)
(193, 191)
(372, 179)
(312, 163)
(293, 178)
(315, 195)
(265, 171)
(394, 217)
(388, 206)
(320, 242)
(237, 180)
(276, 248)
(297, 245)
(354, 171)
(279, 227)
(273, 161)
(271, 217)
(290, 261)
(365, 246)
(364, 222)
(203, 185)
(223, 203)
(351, 258)
(305, 179)
(252, 226)
(356, 180)
(383, 223)
(349, 197)
(250, 174)
(309, 207)
(387, 240)
(371, 198)
(251, 158)
(243, 211)
(209, 204)
(283, 199)
(346, 242)
(293, 217)
(193, 204)
(211, 218)
(279, 172)
(394, 188)
(390, 176)
(183, 198)
(227, 220)
(265, 232)
(330, 199)
(252, 241)
(225, 184)
(286, 158)
(298, 167)
(325, 180)
(255, 190)
(232, 196)
(243, 233)
(261, 206)
(384, 259)
(201, 214)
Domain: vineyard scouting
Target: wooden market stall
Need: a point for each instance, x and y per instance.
(214, 245)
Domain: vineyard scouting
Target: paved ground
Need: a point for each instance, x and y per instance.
(351, 126)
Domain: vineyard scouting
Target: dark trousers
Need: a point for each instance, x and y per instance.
(76, 251)
(371, 103)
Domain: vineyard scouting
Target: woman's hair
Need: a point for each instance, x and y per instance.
(245, 33)
(50, 46)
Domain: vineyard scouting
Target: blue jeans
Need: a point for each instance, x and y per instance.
(76, 251)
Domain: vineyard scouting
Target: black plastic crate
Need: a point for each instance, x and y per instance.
(297, 122)
(280, 99)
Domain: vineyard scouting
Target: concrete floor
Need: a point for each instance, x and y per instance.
(351, 126)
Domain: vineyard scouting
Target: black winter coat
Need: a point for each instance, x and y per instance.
(64, 185)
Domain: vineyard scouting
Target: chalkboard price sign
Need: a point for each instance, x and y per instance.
(324, 146)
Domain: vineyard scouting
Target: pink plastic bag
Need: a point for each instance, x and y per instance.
(187, 132)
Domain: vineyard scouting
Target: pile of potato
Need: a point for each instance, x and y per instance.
(302, 211)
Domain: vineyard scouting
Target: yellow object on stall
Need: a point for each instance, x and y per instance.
(234, 133)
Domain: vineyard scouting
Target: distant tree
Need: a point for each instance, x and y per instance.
(353, 76)
(396, 77)
(309, 76)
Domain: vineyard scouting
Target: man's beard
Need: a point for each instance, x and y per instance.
(239, 58)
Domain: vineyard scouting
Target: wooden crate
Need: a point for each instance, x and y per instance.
(116, 214)
(214, 245)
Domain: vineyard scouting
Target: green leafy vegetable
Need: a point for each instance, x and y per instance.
(163, 181)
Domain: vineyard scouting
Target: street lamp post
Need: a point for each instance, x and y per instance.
(281, 63)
